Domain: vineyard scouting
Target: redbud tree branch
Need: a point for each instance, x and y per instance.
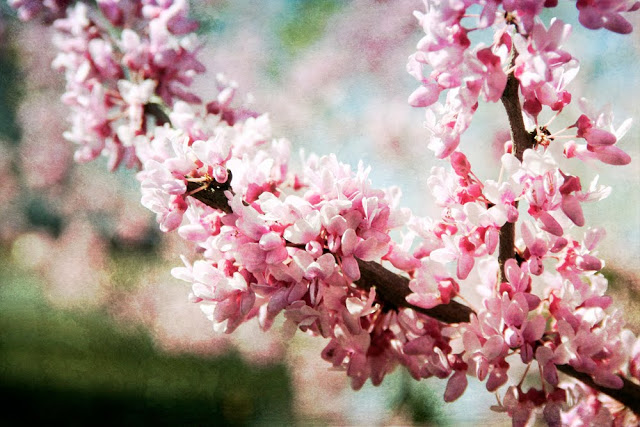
(392, 289)
(521, 140)
(629, 394)
(157, 112)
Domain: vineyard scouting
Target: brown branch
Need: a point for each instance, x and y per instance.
(506, 245)
(157, 112)
(211, 197)
(393, 290)
(629, 394)
(519, 136)
(521, 140)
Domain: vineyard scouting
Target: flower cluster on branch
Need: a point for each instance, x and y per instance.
(311, 244)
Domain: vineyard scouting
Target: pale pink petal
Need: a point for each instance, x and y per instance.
(349, 241)
(550, 224)
(599, 137)
(465, 264)
(350, 268)
(618, 24)
(494, 347)
(612, 155)
(589, 263)
(425, 95)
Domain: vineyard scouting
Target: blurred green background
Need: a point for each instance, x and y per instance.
(80, 368)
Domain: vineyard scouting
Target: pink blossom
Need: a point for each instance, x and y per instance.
(29, 9)
(537, 248)
(168, 209)
(494, 78)
(445, 51)
(431, 286)
(455, 386)
(136, 96)
(541, 66)
(595, 14)
(521, 406)
(503, 196)
(460, 249)
(600, 136)
(527, 11)
(424, 96)
(589, 410)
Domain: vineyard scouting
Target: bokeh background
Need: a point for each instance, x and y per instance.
(93, 328)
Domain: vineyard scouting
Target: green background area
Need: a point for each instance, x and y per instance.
(83, 368)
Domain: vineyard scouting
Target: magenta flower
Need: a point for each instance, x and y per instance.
(600, 141)
(595, 14)
(543, 68)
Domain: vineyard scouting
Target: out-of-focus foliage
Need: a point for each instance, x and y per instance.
(623, 287)
(10, 93)
(43, 216)
(80, 367)
(419, 402)
(209, 15)
(305, 22)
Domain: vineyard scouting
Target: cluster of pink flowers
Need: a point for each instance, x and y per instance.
(29, 9)
(556, 317)
(288, 244)
(271, 241)
(134, 55)
(588, 407)
(445, 61)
